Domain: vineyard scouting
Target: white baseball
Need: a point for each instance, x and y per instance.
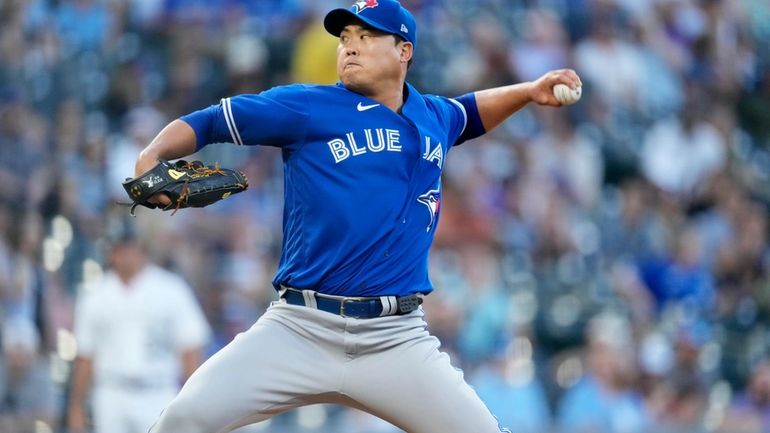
(565, 95)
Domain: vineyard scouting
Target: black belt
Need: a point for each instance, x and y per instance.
(356, 307)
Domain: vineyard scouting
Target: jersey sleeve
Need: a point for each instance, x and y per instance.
(452, 115)
(461, 118)
(275, 117)
(473, 127)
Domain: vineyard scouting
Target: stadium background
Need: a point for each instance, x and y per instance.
(599, 268)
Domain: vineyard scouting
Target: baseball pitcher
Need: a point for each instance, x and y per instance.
(362, 168)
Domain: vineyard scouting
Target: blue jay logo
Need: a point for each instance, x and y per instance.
(363, 4)
(431, 200)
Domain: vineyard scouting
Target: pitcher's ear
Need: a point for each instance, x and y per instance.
(407, 51)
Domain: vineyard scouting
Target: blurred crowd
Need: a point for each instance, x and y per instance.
(598, 268)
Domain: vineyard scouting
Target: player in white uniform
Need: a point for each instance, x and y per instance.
(140, 332)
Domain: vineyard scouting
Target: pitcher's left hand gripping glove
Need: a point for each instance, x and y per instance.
(187, 184)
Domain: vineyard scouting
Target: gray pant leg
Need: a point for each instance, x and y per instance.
(294, 356)
(401, 376)
(284, 361)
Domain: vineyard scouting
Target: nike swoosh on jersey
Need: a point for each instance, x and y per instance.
(362, 107)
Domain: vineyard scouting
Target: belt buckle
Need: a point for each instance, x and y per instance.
(346, 299)
(342, 306)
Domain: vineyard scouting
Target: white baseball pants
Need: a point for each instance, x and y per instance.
(117, 410)
(293, 356)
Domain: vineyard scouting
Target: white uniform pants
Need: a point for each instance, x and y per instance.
(122, 410)
(294, 356)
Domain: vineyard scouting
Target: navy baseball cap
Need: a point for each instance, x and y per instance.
(385, 15)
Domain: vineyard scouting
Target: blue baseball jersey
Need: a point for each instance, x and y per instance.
(362, 183)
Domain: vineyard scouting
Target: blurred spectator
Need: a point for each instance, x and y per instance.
(490, 312)
(681, 155)
(83, 24)
(679, 398)
(542, 47)
(628, 224)
(26, 387)
(140, 333)
(682, 277)
(140, 124)
(567, 161)
(610, 65)
(749, 412)
(604, 399)
(509, 386)
(314, 60)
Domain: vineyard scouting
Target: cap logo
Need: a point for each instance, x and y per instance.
(404, 29)
(365, 4)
